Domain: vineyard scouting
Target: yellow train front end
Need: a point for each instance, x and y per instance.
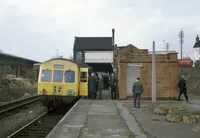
(59, 82)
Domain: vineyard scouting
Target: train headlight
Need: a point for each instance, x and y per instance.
(43, 91)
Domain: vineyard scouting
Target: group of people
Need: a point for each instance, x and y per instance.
(96, 84)
(138, 89)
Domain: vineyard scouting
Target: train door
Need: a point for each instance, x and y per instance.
(83, 89)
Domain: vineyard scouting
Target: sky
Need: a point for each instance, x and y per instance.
(35, 28)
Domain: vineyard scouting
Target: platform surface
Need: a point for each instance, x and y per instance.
(97, 119)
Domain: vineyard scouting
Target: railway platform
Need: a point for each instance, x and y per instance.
(97, 118)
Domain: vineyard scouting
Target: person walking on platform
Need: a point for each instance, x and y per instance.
(100, 85)
(92, 86)
(183, 88)
(113, 86)
(137, 91)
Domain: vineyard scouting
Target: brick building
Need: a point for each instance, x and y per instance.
(134, 62)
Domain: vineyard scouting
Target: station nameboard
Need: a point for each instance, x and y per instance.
(57, 66)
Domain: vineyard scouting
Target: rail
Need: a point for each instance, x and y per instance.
(26, 126)
(17, 104)
(42, 125)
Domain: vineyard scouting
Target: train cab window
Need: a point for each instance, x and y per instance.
(46, 75)
(58, 76)
(69, 76)
(83, 77)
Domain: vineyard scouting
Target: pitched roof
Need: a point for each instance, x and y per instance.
(197, 45)
(18, 57)
(93, 43)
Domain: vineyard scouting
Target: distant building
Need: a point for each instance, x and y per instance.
(196, 48)
(19, 65)
(185, 62)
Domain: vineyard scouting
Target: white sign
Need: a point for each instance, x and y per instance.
(134, 64)
(99, 57)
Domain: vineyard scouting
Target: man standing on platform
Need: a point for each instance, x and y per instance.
(113, 86)
(100, 85)
(92, 86)
(137, 91)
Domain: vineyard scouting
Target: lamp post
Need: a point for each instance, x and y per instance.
(57, 53)
(164, 44)
(153, 75)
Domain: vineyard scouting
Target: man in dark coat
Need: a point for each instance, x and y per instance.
(97, 82)
(183, 88)
(113, 86)
(89, 92)
(137, 91)
(100, 86)
(92, 85)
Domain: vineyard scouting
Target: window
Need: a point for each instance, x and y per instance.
(79, 55)
(70, 76)
(83, 76)
(46, 75)
(58, 76)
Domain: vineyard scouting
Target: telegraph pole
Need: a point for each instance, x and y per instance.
(181, 36)
(153, 75)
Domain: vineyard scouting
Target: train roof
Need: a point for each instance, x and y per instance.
(79, 64)
(59, 59)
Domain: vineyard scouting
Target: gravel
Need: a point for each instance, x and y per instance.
(14, 122)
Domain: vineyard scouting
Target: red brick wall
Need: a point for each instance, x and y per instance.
(166, 70)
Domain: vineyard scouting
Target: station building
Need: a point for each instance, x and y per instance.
(18, 65)
(134, 62)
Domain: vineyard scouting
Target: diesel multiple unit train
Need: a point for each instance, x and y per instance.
(61, 81)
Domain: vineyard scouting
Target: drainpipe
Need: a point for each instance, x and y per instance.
(114, 64)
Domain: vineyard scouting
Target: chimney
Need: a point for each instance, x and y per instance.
(113, 37)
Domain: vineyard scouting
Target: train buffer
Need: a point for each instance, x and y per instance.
(97, 118)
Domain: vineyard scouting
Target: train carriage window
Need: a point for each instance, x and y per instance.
(83, 76)
(58, 76)
(69, 76)
(46, 75)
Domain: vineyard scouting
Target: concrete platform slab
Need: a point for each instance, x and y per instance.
(93, 119)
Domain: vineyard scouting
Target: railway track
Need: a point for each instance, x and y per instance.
(42, 125)
(7, 108)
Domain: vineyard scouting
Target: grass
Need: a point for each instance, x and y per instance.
(16, 89)
(186, 112)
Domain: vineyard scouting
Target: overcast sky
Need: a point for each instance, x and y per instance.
(35, 28)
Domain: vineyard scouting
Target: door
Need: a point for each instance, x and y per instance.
(132, 72)
(83, 89)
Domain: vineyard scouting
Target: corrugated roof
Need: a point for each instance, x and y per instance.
(93, 43)
(6, 54)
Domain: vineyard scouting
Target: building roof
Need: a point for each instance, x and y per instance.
(197, 45)
(93, 43)
(10, 55)
(162, 52)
